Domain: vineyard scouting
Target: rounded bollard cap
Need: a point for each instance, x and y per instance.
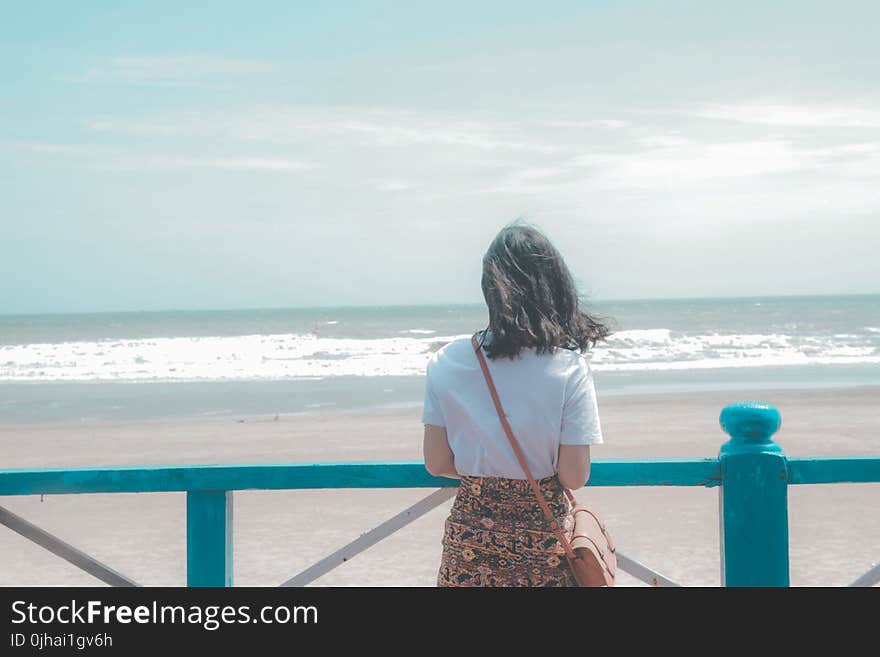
(751, 422)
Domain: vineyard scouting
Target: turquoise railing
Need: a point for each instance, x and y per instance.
(751, 472)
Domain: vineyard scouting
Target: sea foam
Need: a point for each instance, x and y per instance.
(300, 356)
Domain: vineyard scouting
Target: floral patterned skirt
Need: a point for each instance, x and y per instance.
(497, 535)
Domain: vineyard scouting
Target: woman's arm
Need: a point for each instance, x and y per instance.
(439, 459)
(573, 465)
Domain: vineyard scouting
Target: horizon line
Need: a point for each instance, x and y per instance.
(426, 305)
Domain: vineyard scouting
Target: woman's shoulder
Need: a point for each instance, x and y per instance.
(459, 351)
(574, 356)
(563, 364)
(455, 350)
(576, 363)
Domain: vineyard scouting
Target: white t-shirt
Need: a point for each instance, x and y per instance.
(549, 399)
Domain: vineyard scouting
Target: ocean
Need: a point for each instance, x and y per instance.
(231, 363)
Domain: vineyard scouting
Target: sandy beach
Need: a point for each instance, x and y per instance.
(835, 529)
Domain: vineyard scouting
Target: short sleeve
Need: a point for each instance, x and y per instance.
(580, 412)
(431, 412)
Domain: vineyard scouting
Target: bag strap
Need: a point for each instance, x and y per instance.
(517, 450)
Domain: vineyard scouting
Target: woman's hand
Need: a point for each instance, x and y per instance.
(439, 459)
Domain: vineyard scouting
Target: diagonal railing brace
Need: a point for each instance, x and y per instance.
(64, 550)
(371, 537)
(870, 578)
(641, 572)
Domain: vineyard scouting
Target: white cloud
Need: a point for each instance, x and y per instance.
(664, 163)
(691, 164)
(393, 185)
(409, 129)
(661, 141)
(612, 124)
(367, 126)
(176, 69)
(224, 163)
(792, 115)
(688, 164)
(115, 158)
(671, 170)
(684, 182)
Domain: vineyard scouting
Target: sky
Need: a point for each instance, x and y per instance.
(169, 155)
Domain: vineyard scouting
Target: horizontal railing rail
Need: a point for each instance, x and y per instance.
(402, 474)
(751, 473)
(853, 470)
(289, 476)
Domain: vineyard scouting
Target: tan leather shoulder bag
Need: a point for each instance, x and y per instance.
(590, 552)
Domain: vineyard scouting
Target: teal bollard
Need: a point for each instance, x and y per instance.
(209, 538)
(753, 498)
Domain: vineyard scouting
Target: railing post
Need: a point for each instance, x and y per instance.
(209, 538)
(753, 498)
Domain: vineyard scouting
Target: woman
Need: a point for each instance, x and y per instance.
(496, 533)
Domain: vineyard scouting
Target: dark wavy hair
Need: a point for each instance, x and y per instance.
(532, 298)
